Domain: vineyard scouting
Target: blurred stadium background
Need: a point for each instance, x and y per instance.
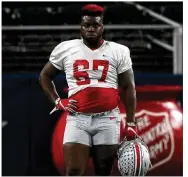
(30, 31)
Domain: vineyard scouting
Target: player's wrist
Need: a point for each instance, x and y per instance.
(131, 124)
(57, 101)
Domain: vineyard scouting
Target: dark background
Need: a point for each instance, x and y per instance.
(28, 50)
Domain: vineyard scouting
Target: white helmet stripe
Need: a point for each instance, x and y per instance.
(138, 160)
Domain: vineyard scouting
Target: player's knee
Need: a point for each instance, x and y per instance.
(74, 171)
(103, 171)
(103, 167)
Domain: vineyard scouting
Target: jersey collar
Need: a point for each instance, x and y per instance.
(93, 49)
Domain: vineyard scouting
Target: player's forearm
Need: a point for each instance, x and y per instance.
(48, 87)
(128, 97)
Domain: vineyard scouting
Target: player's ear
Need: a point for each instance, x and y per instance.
(102, 27)
(102, 24)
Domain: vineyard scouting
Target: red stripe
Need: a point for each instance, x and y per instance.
(138, 158)
(95, 99)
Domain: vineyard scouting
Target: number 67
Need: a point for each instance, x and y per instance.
(83, 74)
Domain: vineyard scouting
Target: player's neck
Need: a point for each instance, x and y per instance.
(93, 45)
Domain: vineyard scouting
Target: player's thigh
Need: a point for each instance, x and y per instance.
(107, 132)
(103, 158)
(75, 157)
(76, 146)
(105, 144)
(76, 131)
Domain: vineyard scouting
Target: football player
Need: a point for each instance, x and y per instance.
(95, 69)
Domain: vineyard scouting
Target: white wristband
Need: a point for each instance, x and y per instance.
(131, 124)
(57, 101)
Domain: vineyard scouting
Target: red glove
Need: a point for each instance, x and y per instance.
(131, 131)
(66, 105)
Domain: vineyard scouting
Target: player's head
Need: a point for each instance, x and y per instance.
(92, 22)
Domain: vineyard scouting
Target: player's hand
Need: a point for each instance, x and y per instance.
(66, 105)
(131, 132)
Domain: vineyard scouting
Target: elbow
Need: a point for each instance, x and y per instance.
(131, 90)
(40, 78)
(128, 90)
(132, 87)
(131, 93)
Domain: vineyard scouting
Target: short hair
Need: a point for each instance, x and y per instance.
(92, 10)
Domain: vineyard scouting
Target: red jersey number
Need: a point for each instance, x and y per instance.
(105, 64)
(79, 75)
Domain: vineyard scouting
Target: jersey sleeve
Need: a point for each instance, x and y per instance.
(125, 62)
(56, 57)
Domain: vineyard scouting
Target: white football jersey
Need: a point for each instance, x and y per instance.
(85, 67)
